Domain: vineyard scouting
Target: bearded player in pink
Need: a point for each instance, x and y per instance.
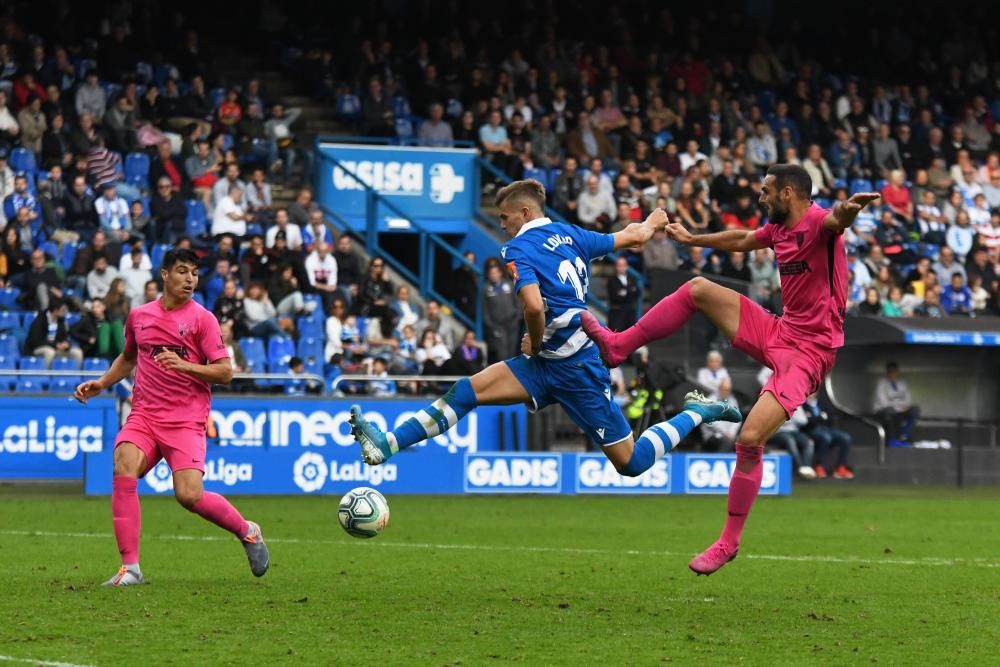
(177, 348)
(800, 346)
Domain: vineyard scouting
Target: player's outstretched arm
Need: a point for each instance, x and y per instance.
(731, 240)
(534, 319)
(845, 212)
(120, 368)
(638, 233)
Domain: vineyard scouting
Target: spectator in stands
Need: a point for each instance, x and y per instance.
(761, 148)
(231, 178)
(258, 199)
(406, 311)
(545, 147)
(120, 124)
(21, 198)
(298, 210)
(23, 224)
(897, 196)
(203, 171)
(713, 373)
(623, 290)
(434, 320)
(48, 336)
(32, 122)
(735, 267)
(142, 225)
(16, 259)
(721, 436)
(886, 153)
(113, 214)
(960, 236)
(819, 171)
(254, 143)
(100, 278)
(595, 208)
(660, 253)
(230, 112)
(92, 332)
(764, 284)
(381, 386)
(317, 230)
(892, 306)
(260, 315)
(228, 306)
(278, 129)
(569, 185)
(40, 284)
(151, 293)
(980, 297)
(824, 435)
(799, 446)
(501, 315)
(349, 272)
(164, 167)
(8, 124)
(586, 143)
(872, 305)
(136, 276)
(435, 131)
(236, 356)
(229, 216)
(468, 358)
(433, 356)
(321, 268)
(334, 327)
(374, 107)
(946, 266)
(956, 298)
(291, 231)
(894, 406)
(6, 183)
(90, 97)
(845, 161)
(168, 212)
(979, 264)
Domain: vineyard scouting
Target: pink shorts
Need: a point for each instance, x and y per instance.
(183, 446)
(799, 366)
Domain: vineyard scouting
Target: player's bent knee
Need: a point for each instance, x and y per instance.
(129, 461)
(752, 437)
(187, 497)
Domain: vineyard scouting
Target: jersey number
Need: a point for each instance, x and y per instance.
(576, 276)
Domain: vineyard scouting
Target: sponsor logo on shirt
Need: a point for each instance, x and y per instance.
(793, 268)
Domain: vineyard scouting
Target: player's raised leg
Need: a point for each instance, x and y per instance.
(632, 458)
(495, 385)
(764, 419)
(130, 465)
(720, 304)
(190, 493)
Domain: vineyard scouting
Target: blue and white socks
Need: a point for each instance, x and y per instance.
(658, 440)
(436, 418)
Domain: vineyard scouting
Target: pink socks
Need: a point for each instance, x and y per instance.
(742, 492)
(663, 319)
(127, 517)
(219, 511)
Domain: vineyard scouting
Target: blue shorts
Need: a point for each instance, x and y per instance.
(582, 385)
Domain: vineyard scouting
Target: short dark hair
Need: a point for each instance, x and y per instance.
(55, 304)
(891, 366)
(792, 176)
(178, 256)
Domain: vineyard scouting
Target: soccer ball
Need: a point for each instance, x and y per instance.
(363, 512)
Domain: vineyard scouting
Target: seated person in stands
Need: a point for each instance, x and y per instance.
(713, 374)
(799, 446)
(820, 429)
(894, 406)
(721, 436)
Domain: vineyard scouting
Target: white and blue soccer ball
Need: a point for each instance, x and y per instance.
(363, 512)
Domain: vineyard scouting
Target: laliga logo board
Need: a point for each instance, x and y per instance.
(161, 480)
(596, 474)
(312, 471)
(513, 473)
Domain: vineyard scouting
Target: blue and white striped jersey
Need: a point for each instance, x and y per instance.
(556, 257)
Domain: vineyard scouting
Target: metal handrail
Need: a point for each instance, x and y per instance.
(879, 429)
(354, 377)
(307, 377)
(386, 141)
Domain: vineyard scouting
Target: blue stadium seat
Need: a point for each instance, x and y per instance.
(197, 218)
(51, 249)
(8, 297)
(95, 364)
(280, 347)
(71, 292)
(68, 256)
(253, 348)
(278, 366)
(65, 364)
(7, 381)
(554, 174)
(348, 106)
(156, 255)
(537, 174)
(861, 185)
(9, 321)
(72, 318)
(310, 325)
(218, 96)
(314, 298)
(21, 159)
(839, 183)
(33, 364)
(27, 318)
(63, 385)
(9, 347)
(401, 107)
(27, 385)
(198, 299)
(881, 184)
(137, 170)
(310, 348)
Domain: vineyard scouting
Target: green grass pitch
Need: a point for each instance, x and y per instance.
(835, 575)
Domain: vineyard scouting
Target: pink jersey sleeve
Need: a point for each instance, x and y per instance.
(210, 338)
(765, 235)
(131, 349)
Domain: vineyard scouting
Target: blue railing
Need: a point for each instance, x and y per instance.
(554, 215)
(390, 141)
(429, 243)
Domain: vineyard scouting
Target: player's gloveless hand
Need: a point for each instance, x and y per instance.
(859, 200)
(168, 360)
(526, 346)
(678, 232)
(658, 219)
(87, 390)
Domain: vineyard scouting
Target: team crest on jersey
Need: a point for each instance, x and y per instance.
(512, 270)
(184, 328)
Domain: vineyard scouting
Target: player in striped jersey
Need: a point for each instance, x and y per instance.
(550, 265)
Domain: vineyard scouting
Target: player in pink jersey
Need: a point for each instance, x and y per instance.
(800, 346)
(175, 347)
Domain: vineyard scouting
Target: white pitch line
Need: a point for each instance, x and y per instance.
(43, 663)
(842, 560)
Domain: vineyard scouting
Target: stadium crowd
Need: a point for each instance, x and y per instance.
(106, 160)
